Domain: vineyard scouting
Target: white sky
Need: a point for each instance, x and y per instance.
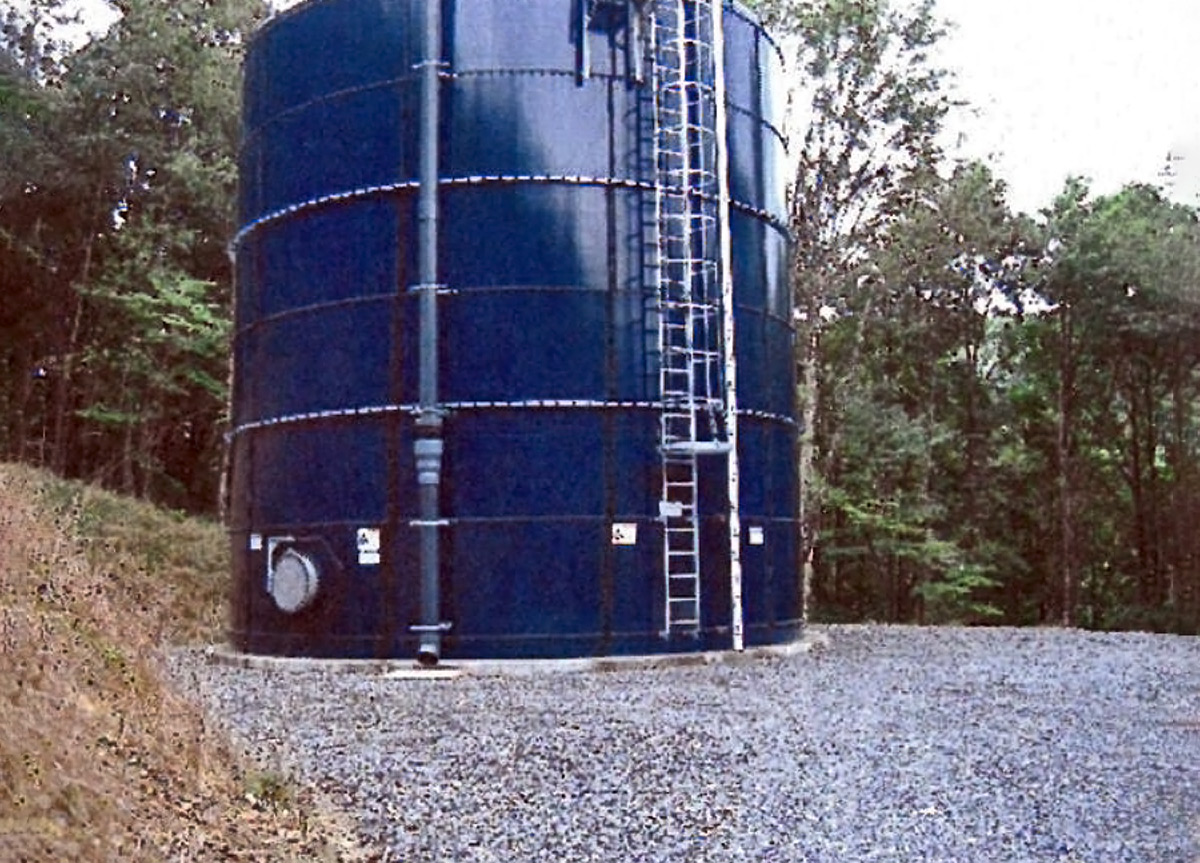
(1101, 88)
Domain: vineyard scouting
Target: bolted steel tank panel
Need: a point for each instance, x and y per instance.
(549, 342)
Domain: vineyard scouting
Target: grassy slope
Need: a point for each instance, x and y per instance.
(99, 760)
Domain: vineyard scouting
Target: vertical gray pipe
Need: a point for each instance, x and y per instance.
(427, 446)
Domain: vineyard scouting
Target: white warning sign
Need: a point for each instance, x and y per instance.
(624, 533)
(368, 546)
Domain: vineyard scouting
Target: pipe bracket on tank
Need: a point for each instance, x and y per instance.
(439, 289)
(444, 626)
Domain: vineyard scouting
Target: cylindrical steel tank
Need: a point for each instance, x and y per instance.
(551, 528)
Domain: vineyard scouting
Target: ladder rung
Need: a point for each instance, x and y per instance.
(698, 447)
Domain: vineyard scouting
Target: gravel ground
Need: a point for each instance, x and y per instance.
(888, 743)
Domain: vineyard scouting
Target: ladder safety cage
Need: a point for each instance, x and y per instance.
(689, 290)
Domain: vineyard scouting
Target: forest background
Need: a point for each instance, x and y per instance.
(1000, 409)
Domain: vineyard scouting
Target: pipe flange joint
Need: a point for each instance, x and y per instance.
(428, 453)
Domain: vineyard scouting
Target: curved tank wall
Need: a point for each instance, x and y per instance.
(548, 361)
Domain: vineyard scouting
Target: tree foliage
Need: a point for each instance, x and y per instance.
(116, 203)
(997, 408)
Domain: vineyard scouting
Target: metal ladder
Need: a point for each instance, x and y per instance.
(689, 290)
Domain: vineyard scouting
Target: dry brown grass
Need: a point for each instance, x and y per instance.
(99, 760)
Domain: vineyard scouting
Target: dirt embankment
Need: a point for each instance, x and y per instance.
(99, 760)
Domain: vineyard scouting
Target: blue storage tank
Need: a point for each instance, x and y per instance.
(552, 524)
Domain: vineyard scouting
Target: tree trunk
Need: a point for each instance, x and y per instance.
(1137, 492)
(19, 443)
(1181, 554)
(128, 485)
(1066, 486)
(806, 395)
(63, 381)
(69, 351)
(1155, 538)
(148, 447)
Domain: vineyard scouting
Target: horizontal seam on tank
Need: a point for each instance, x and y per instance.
(290, 528)
(493, 179)
(608, 76)
(316, 308)
(786, 320)
(533, 71)
(599, 518)
(313, 308)
(527, 404)
(654, 633)
(251, 135)
(640, 518)
(767, 124)
(257, 131)
(277, 528)
(300, 637)
(254, 133)
(516, 638)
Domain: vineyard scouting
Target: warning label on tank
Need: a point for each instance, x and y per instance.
(624, 533)
(368, 546)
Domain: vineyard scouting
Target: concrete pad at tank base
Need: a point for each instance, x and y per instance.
(408, 669)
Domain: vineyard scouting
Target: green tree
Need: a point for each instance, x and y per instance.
(913, 402)
(1123, 286)
(873, 104)
(119, 226)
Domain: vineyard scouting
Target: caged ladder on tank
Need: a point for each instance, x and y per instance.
(689, 288)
